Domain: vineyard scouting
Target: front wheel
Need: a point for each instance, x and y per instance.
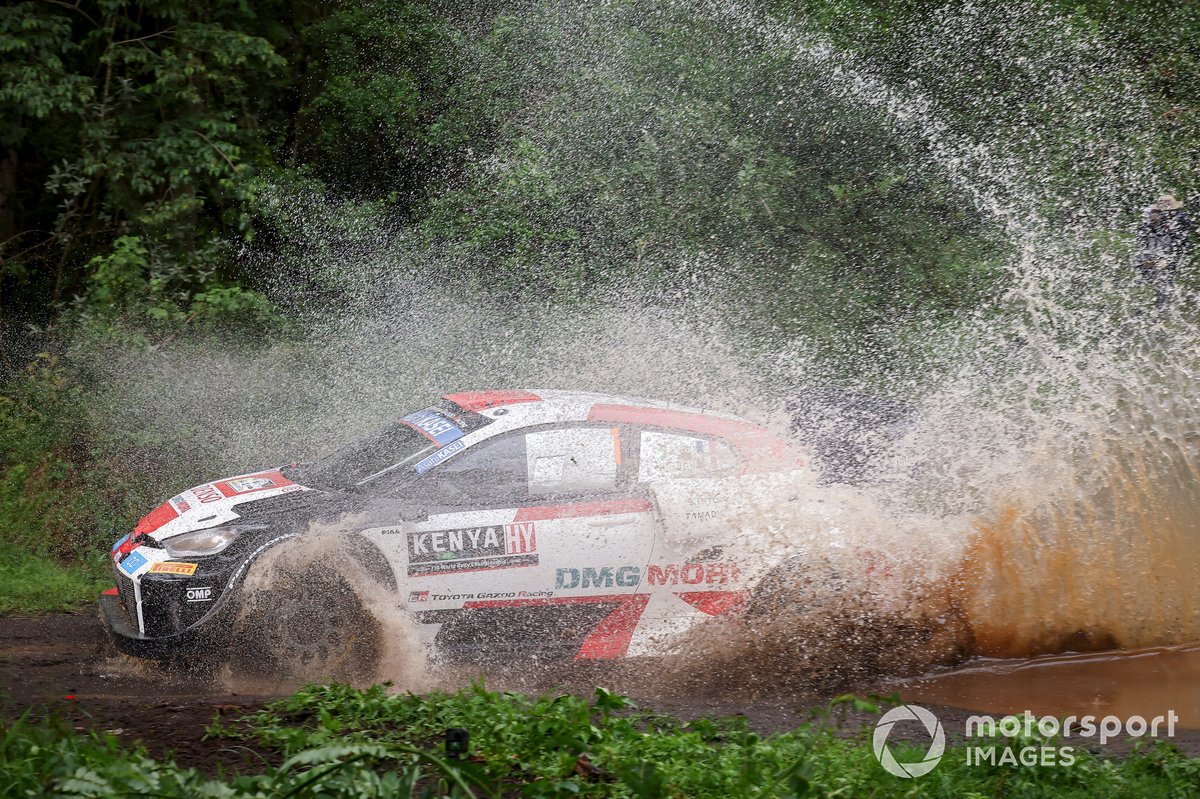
(311, 625)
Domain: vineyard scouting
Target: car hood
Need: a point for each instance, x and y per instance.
(218, 502)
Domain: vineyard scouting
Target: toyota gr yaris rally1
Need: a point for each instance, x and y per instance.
(503, 524)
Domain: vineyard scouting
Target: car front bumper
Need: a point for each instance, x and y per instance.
(194, 643)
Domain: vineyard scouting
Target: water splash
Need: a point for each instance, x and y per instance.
(1053, 470)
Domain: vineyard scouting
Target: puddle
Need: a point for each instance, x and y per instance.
(1145, 682)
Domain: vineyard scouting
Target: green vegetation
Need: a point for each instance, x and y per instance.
(69, 489)
(29, 583)
(839, 173)
(335, 741)
(148, 148)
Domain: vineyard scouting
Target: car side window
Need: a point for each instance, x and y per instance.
(573, 460)
(667, 455)
(492, 470)
(513, 468)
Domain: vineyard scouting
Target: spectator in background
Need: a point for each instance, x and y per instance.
(1162, 244)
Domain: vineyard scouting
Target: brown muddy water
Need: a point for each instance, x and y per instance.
(1141, 682)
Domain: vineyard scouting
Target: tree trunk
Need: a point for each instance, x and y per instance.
(8, 217)
(8, 196)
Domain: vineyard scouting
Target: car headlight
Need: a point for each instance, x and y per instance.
(204, 542)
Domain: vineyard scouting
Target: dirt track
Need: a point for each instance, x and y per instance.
(64, 663)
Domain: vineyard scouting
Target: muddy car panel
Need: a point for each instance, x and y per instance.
(506, 522)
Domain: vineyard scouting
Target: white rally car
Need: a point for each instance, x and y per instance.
(503, 524)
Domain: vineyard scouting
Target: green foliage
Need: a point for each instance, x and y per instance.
(133, 136)
(50, 759)
(125, 292)
(652, 148)
(378, 81)
(560, 149)
(48, 495)
(31, 583)
(69, 487)
(127, 121)
(40, 422)
(339, 742)
(571, 746)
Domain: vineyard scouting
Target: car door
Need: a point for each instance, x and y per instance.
(532, 540)
(695, 571)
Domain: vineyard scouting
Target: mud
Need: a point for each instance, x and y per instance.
(64, 664)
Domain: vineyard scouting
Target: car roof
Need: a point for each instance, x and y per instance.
(517, 408)
(569, 406)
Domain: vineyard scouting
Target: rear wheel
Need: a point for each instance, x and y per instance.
(311, 625)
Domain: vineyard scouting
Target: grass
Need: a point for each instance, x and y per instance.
(605, 747)
(31, 583)
(338, 742)
(65, 496)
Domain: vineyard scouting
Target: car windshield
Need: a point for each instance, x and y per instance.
(402, 444)
(394, 445)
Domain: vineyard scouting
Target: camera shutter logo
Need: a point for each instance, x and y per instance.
(884, 728)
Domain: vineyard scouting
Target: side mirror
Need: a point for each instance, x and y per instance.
(414, 514)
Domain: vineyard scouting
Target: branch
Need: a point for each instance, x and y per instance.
(143, 38)
(50, 233)
(218, 150)
(86, 15)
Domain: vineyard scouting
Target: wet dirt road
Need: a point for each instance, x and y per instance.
(64, 663)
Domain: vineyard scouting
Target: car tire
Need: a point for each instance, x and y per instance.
(313, 626)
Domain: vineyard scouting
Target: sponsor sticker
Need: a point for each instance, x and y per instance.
(200, 593)
(598, 577)
(434, 425)
(442, 454)
(208, 493)
(418, 596)
(133, 561)
(245, 485)
(472, 549)
(181, 505)
(693, 574)
(172, 567)
(659, 574)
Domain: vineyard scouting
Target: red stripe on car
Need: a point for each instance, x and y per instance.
(154, 520)
(610, 638)
(715, 603)
(612, 507)
(757, 445)
(482, 400)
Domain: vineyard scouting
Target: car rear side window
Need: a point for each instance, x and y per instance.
(573, 460)
(668, 455)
